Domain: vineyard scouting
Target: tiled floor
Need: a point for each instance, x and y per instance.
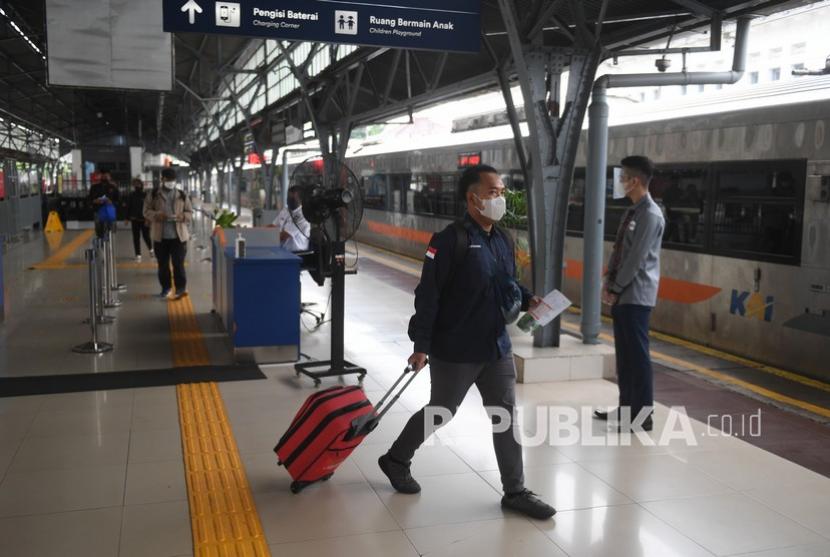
(101, 474)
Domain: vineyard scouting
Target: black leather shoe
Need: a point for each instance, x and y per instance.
(527, 503)
(600, 415)
(399, 475)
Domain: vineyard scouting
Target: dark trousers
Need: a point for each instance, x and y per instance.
(167, 252)
(634, 374)
(101, 227)
(139, 231)
(496, 381)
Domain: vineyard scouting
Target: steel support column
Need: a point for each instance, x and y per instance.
(552, 146)
(594, 217)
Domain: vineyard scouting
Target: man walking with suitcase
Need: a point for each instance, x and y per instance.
(461, 308)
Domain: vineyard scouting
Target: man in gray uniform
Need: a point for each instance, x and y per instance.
(630, 288)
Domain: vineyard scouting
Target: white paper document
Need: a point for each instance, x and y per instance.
(552, 305)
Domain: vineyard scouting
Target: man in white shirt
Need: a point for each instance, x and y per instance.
(294, 229)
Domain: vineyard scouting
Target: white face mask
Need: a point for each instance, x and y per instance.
(494, 209)
(168, 185)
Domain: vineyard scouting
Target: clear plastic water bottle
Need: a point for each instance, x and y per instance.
(240, 246)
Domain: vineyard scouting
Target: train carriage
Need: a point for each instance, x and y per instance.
(746, 194)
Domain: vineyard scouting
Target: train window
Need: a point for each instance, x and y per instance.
(449, 205)
(376, 192)
(757, 210)
(514, 180)
(614, 208)
(423, 199)
(681, 192)
(576, 209)
(399, 192)
(435, 194)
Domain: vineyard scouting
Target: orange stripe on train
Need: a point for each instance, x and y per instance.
(419, 236)
(673, 290)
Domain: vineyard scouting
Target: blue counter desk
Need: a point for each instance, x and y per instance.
(258, 300)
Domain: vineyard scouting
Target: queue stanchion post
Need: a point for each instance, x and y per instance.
(101, 317)
(109, 286)
(106, 272)
(114, 284)
(103, 281)
(94, 346)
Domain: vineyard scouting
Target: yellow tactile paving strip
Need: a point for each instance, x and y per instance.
(58, 259)
(186, 339)
(223, 514)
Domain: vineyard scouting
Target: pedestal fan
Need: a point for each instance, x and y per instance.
(332, 203)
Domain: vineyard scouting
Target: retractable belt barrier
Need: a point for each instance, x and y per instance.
(94, 346)
(114, 284)
(110, 294)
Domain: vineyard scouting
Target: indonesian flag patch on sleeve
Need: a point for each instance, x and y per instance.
(431, 252)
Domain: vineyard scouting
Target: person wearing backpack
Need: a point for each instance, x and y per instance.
(169, 212)
(104, 198)
(466, 296)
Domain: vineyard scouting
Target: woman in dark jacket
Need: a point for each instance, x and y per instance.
(135, 212)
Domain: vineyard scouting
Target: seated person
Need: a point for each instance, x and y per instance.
(294, 228)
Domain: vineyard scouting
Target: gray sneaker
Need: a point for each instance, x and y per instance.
(527, 503)
(398, 474)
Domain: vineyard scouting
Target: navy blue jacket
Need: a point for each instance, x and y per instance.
(457, 313)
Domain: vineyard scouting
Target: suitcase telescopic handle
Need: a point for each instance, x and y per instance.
(370, 422)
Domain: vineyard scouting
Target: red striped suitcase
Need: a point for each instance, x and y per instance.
(327, 428)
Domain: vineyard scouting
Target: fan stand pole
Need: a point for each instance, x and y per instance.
(338, 365)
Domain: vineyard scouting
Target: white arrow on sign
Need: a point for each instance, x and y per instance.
(192, 7)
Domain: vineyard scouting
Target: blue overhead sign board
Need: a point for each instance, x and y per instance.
(450, 25)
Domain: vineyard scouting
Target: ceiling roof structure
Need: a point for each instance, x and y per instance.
(370, 84)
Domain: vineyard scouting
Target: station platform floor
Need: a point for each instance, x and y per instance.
(188, 469)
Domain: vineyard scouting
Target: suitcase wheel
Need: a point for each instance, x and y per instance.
(298, 486)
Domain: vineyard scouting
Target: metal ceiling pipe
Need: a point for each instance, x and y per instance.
(597, 164)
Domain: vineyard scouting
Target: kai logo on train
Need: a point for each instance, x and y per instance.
(752, 304)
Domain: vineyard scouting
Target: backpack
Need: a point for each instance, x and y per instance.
(106, 213)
